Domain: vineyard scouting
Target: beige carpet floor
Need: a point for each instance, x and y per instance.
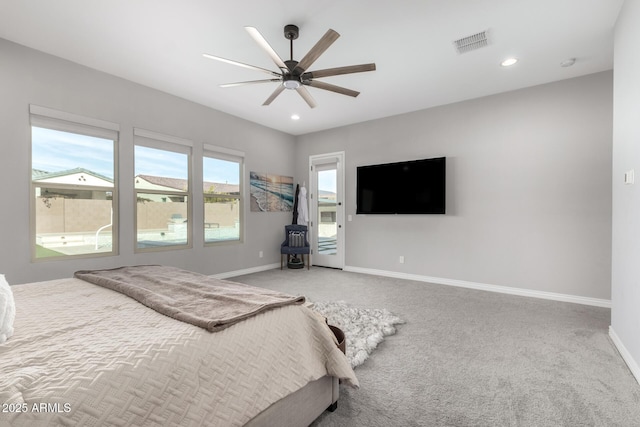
(473, 358)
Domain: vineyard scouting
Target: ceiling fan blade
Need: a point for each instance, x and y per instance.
(323, 44)
(251, 82)
(304, 93)
(333, 88)
(350, 69)
(255, 34)
(240, 64)
(274, 95)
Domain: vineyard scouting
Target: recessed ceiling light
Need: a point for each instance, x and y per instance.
(295, 117)
(509, 62)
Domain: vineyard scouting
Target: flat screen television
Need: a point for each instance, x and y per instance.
(411, 187)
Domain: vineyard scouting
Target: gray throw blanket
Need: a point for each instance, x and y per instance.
(203, 301)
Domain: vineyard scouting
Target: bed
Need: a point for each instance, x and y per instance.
(86, 355)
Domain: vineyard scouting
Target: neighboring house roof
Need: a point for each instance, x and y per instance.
(326, 194)
(181, 184)
(161, 181)
(37, 174)
(41, 175)
(220, 187)
(158, 182)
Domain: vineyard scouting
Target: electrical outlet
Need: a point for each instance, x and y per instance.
(260, 254)
(401, 259)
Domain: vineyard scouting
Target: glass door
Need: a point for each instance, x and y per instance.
(327, 212)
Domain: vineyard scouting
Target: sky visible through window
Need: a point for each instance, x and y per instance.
(56, 151)
(217, 170)
(327, 181)
(168, 164)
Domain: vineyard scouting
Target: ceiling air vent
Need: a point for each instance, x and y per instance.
(473, 42)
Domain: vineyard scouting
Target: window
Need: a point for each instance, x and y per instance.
(222, 194)
(163, 195)
(72, 185)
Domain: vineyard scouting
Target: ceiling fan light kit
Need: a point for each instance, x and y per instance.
(290, 82)
(293, 74)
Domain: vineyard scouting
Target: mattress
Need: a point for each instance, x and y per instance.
(86, 355)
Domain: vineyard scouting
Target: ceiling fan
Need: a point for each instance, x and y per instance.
(293, 74)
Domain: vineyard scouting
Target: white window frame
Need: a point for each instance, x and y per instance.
(48, 118)
(159, 141)
(228, 154)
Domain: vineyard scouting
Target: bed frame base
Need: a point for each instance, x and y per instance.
(302, 407)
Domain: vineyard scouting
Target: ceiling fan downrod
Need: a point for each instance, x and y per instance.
(291, 32)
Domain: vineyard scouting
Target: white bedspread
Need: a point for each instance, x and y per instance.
(85, 355)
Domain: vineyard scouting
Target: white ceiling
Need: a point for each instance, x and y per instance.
(159, 43)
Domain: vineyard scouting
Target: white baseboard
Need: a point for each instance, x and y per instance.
(626, 356)
(443, 281)
(244, 271)
(485, 287)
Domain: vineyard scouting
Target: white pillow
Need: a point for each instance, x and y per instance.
(7, 310)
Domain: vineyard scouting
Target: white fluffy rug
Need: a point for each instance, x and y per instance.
(363, 328)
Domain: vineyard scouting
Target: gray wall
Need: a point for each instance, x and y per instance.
(529, 179)
(30, 77)
(528, 189)
(625, 312)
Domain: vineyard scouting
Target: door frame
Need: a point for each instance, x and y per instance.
(320, 159)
